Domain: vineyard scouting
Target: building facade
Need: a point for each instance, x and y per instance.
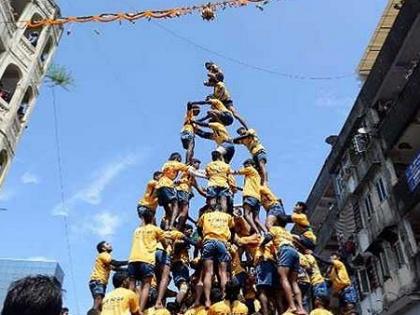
(15, 269)
(25, 55)
(366, 200)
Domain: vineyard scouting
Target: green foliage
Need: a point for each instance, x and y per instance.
(59, 76)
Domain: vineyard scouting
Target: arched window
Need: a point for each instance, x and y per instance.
(33, 34)
(46, 51)
(26, 102)
(18, 7)
(9, 81)
(3, 162)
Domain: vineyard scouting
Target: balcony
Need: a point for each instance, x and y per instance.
(406, 199)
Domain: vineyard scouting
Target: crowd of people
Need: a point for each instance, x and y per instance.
(227, 260)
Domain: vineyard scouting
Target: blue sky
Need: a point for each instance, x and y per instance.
(122, 118)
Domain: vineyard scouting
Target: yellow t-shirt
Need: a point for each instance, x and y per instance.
(170, 171)
(314, 274)
(281, 236)
(252, 182)
(145, 242)
(154, 311)
(252, 142)
(302, 223)
(149, 199)
(216, 225)
(185, 182)
(218, 174)
(221, 92)
(220, 132)
(239, 308)
(198, 310)
(257, 252)
(321, 311)
(236, 261)
(218, 105)
(121, 301)
(102, 268)
(220, 308)
(187, 122)
(303, 276)
(268, 199)
(339, 277)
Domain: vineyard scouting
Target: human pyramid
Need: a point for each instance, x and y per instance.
(232, 262)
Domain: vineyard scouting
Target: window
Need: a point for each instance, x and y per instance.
(384, 266)
(363, 282)
(9, 82)
(399, 254)
(368, 206)
(380, 188)
(357, 217)
(372, 273)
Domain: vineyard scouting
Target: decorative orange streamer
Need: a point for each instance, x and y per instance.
(207, 11)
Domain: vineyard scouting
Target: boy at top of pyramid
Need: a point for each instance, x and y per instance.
(215, 80)
(187, 132)
(249, 138)
(219, 134)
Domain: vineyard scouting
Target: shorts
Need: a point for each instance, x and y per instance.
(304, 287)
(141, 209)
(180, 273)
(226, 118)
(166, 195)
(217, 192)
(215, 250)
(347, 296)
(240, 278)
(259, 157)
(139, 270)
(186, 138)
(276, 211)
(162, 258)
(228, 103)
(97, 288)
(183, 196)
(253, 203)
(229, 151)
(267, 275)
(288, 257)
(306, 242)
(320, 290)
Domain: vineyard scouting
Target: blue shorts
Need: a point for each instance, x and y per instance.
(186, 138)
(139, 270)
(260, 156)
(253, 203)
(288, 257)
(320, 290)
(97, 288)
(215, 250)
(240, 278)
(229, 151)
(267, 275)
(183, 196)
(180, 273)
(166, 195)
(141, 209)
(347, 296)
(276, 211)
(217, 192)
(162, 258)
(226, 118)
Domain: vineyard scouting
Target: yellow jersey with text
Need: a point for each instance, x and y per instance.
(220, 132)
(252, 142)
(150, 199)
(221, 92)
(102, 268)
(268, 198)
(339, 276)
(314, 273)
(252, 182)
(302, 223)
(216, 225)
(218, 174)
(121, 301)
(145, 242)
(281, 236)
(170, 171)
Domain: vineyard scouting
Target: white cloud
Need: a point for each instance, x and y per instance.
(328, 100)
(29, 178)
(92, 193)
(104, 224)
(7, 195)
(40, 258)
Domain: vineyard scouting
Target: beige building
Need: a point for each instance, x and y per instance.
(25, 55)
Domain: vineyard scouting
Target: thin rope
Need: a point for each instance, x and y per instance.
(250, 66)
(62, 196)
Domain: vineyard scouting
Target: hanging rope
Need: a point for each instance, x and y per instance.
(207, 12)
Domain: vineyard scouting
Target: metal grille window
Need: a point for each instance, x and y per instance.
(363, 282)
(380, 188)
(372, 274)
(383, 262)
(357, 217)
(368, 206)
